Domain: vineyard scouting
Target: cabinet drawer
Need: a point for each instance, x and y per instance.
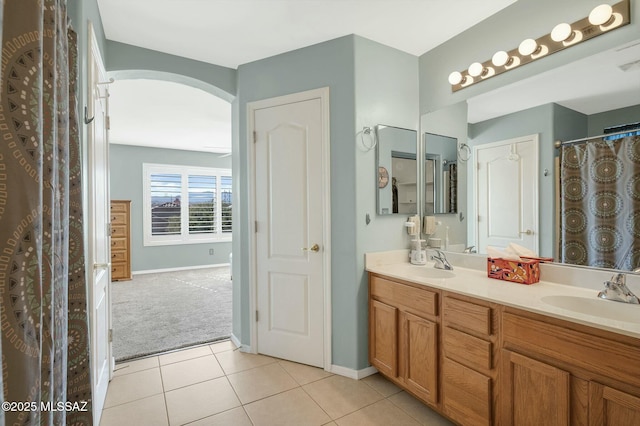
(466, 394)
(118, 256)
(118, 243)
(466, 349)
(458, 313)
(420, 300)
(119, 231)
(118, 207)
(120, 271)
(118, 218)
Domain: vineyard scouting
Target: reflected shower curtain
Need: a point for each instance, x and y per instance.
(43, 295)
(600, 203)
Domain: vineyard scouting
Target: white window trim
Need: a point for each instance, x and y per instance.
(184, 237)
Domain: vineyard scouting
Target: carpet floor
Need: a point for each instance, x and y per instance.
(155, 313)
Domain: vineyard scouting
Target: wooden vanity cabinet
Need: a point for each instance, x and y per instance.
(403, 335)
(482, 363)
(557, 372)
(469, 340)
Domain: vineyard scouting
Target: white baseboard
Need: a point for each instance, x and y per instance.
(240, 346)
(181, 268)
(353, 374)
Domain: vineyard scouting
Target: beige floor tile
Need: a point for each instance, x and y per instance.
(201, 400)
(224, 346)
(149, 411)
(419, 411)
(185, 355)
(339, 396)
(330, 424)
(382, 385)
(303, 374)
(128, 367)
(236, 361)
(382, 413)
(192, 371)
(233, 417)
(293, 408)
(261, 382)
(130, 387)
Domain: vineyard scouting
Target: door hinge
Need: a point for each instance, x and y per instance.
(255, 226)
(110, 335)
(109, 229)
(255, 136)
(108, 123)
(256, 316)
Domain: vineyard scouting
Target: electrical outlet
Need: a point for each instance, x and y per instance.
(210, 252)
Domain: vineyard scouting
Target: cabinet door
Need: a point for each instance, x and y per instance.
(383, 338)
(533, 393)
(419, 352)
(466, 394)
(611, 407)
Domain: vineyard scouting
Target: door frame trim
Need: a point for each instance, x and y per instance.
(252, 107)
(535, 138)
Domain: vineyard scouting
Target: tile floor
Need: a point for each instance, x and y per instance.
(219, 385)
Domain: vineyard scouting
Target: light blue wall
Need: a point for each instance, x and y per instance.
(599, 122)
(386, 92)
(127, 62)
(127, 184)
(328, 64)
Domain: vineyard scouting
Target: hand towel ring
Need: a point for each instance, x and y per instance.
(464, 152)
(372, 135)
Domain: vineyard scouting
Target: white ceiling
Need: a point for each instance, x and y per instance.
(233, 32)
(590, 86)
(168, 115)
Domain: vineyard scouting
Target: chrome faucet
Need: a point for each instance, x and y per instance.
(470, 249)
(617, 290)
(441, 261)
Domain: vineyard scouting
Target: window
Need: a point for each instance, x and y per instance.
(186, 205)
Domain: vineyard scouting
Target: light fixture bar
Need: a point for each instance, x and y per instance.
(605, 18)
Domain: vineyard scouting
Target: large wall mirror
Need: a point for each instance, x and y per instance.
(396, 172)
(577, 100)
(440, 174)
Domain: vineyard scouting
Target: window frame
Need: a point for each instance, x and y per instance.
(184, 237)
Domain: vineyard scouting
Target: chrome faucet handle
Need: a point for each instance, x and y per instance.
(619, 279)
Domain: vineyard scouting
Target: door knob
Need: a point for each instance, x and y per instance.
(527, 232)
(314, 247)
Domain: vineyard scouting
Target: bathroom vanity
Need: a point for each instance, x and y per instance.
(488, 352)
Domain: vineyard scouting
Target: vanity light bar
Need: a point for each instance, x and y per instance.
(602, 19)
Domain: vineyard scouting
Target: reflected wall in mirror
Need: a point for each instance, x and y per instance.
(440, 174)
(577, 100)
(396, 170)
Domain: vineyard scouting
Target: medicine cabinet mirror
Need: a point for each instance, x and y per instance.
(396, 170)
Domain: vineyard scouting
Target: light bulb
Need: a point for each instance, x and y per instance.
(475, 69)
(600, 15)
(500, 58)
(527, 47)
(561, 32)
(455, 78)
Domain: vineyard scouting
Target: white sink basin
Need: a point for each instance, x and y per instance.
(428, 271)
(596, 307)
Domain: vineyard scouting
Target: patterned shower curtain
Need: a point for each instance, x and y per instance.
(43, 295)
(600, 203)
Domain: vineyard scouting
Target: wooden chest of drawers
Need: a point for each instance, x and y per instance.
(120, 240)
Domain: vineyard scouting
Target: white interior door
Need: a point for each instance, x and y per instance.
(290, 238)
(99, 235)
(507, 193)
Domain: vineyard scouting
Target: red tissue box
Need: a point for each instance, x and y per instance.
(525, 271)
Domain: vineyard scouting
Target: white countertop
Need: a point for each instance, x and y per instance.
(612, 316)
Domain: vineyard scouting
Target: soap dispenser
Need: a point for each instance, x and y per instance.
(418, 254)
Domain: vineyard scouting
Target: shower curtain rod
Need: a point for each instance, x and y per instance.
(558, 144)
